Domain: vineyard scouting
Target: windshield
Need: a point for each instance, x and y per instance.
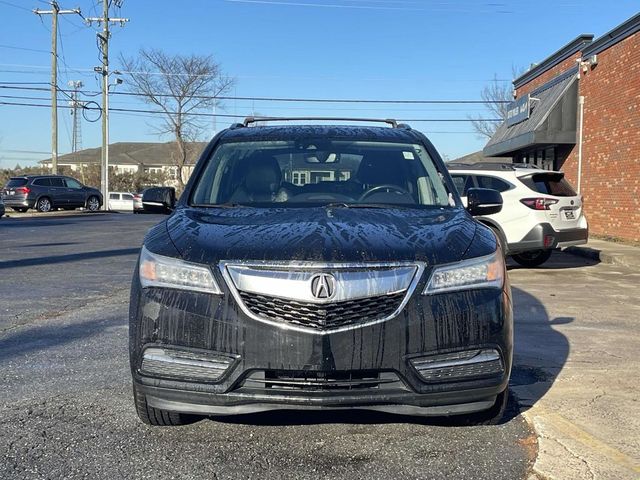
(311, 173)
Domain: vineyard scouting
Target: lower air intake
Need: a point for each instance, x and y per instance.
(323, 381)
(182, 364)
(458, 366)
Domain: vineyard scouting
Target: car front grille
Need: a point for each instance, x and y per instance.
(322, 316)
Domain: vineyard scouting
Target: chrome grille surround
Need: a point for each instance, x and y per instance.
(290, 283)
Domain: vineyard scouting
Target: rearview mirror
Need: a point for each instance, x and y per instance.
(483, 201)
(159, 200)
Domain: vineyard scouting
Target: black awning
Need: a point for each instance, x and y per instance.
(552, 119)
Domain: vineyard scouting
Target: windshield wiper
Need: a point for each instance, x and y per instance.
(218, 205)
(371, 205)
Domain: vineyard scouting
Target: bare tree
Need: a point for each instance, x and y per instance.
(180, 85)
(495, 96)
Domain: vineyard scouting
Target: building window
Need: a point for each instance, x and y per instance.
(300, 177)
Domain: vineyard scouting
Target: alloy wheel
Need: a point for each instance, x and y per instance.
(93, 204)
(44, 205)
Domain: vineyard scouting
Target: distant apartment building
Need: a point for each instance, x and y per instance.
(134, 157)
(578, 111)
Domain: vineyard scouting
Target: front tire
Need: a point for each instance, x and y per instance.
(44, 205)
(533, 258)
(157, 417)
(491, 416)
(93, 203)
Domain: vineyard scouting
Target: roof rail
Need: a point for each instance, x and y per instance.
(489, 166)
(249, 120)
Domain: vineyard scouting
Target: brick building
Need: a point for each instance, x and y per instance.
(594, 84)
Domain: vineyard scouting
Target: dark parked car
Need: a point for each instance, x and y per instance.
(320, 267)
(2, 209)
(48, 192)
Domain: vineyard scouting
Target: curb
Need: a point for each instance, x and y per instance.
(536, 472)
(53, 215)
(602, 256)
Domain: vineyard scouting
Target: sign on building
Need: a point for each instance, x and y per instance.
(518, 111)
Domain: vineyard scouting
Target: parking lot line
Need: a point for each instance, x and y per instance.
(569, 429)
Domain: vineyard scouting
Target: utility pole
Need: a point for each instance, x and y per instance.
(54, 12)
(76, 132)
(103, 37)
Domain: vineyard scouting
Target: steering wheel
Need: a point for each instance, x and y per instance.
(386, 187)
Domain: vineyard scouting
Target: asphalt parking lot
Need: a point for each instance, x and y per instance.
(66, 409)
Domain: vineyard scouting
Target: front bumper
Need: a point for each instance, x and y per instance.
(428, 325)
(235, 403)
(544, 237)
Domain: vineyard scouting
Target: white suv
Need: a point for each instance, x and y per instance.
(541, 210)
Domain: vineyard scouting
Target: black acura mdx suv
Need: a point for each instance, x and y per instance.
(320, 267)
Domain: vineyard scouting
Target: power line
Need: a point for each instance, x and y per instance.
(25, 49)
(304, 100)
(26, 151)
(225, 115)
(15, 6)
(24, 83)
(400, 8)
(295, 77)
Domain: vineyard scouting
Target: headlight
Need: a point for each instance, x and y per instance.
(160, 271)
(481, 272)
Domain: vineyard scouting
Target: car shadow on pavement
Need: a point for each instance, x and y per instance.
(558, 261)
(53, 244)
(36, 340)
(540, 348)
(33, 223)
(70, 257)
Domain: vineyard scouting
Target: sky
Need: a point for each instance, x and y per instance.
(338, 49)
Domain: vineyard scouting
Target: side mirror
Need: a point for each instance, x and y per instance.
(159, 200)
(483, 201)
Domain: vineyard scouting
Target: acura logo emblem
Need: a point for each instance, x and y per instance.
(323, 285)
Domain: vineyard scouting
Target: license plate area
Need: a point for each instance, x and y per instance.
(569, 215)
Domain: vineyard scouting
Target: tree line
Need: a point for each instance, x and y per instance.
(90, 175)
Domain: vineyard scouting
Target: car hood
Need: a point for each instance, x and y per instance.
(321, 234)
